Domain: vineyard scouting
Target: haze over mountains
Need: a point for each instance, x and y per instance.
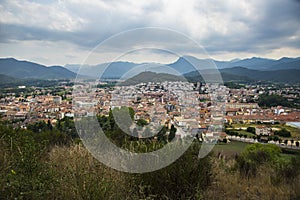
(185, 65)
(282, 70)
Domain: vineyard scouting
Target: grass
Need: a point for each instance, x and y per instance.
(236, 147)
(246, 133)
(237, 126)
(286, 156)
(295, 132)
(230, 149)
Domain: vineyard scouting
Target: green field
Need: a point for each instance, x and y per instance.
(295, 132)
(235, 147)
(249, 135)
(232, 148)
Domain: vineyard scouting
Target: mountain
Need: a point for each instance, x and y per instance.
(282, 75)
(286, 63)
(253, 63)
(7, 80)
(24, 70)
(122, 70)
(262, 63)
(187, 64)
(183, 65)
(245, 74)
(148, 76)
(284, 69)
(73, 67)
(108, 70)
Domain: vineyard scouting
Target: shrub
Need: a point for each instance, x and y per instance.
(251, 129)
(25, 174)
(256, 154)
(283, 133)
(187, 178)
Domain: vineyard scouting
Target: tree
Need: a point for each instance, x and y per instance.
(283, 133)
(255, 155)
(67, 126)
(292, 142)
(172, 132)
(161, 136)
(272, 100)
(142, 122)
(39, 126)
(49, 124)
(131, 112)
(251, 129)
(297, 143)
(276, 138)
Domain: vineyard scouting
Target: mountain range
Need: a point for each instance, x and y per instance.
(186, 64)
(243, 74)
(250, 69)
(148, 76)
(29, 70)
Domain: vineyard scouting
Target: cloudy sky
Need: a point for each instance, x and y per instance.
(59, 32)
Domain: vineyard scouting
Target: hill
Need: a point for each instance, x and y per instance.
(9, 82)
(245, 74)
(6, 81)
(108, 70)
(251, 69)
(145, 77)
(24, 70)
(184, 65)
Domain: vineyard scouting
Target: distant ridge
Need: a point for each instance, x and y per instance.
(245, 74)
(285, 70)
(145, 77)
(185, 64)
(7, 80)
(25, 69)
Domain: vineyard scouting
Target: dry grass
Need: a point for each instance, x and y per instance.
(75, 174)
(80, 176)
(229, 184)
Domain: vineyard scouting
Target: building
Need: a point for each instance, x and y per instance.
(57, 99)
(263, 131)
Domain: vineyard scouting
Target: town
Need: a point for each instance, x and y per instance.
(243, 111)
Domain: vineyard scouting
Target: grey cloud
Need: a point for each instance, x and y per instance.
(278, 21)
(270, 25)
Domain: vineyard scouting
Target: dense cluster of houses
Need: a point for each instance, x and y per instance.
(194, 108)
(31, 109)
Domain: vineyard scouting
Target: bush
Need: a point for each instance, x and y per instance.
(283, 133)
(251, 129)
(256, 154)
(187, 178)
(289, 170)
(272, 100)
(142, 122)
(25, 175)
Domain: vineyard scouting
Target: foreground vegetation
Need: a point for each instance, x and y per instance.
(50, 163)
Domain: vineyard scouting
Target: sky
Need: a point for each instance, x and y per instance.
(59, 32)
